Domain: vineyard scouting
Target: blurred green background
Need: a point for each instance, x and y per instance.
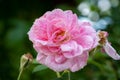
(17, 16)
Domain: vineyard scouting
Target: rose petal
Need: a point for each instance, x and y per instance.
(43, 49)
(54, 49)
(52, 64)
(79, 62)
(38, 30)
(69, 46)
(57, 13)
(41, 58)
(86, 42)
(60, 58)
(71, 49)
(71, 20)
(111, 51)
(86, 29)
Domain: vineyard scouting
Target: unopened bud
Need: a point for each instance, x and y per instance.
(25, 60)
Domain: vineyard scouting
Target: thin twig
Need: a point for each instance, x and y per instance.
(68, 75)
(20, 73)
(58, 75)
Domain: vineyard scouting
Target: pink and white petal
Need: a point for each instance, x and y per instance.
(52, 64)
(60, 24)
(73, 53)
(96, 42)
(87, 29)
(58, 67)
(54, 49)
(37, 46)
(42, 42)
(57, 13)
(79, 62)
(38, 30)
(71, 49)
(42, 49)
(111, 51)
(54, 25)
(69, 46)
(71, 20)
(59, 58)
(85, 41)
(74, 68)
(45, 48)
(41, 58)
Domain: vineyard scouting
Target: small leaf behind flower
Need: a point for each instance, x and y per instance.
(34, 61)
(39, 68)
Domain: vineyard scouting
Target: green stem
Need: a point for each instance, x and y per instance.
(58, 75)
(67, 71)
(95, 50)
(68, 75)
(20, 73)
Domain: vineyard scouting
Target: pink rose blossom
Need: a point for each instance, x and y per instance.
(62, 41)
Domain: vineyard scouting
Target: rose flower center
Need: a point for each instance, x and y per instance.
(60, 36)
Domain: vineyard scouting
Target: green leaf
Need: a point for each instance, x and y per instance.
(39, 68)
(34, 61)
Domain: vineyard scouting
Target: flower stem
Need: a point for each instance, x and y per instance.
(68, 75)
(58, 75)
(67, 71)
(20, 73)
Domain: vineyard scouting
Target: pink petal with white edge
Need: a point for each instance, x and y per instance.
(86, 29)
(79, 62)
(41, 58)
(50, 62)
(111, 51)
(38, 30)
(42, 49)
(86, 42)
(57, 13)
(71, 20)
(71, 49)
(58, 67)
(59, 58)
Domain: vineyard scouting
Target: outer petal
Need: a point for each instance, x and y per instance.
(57, 13)
(71, 20)
(79, 62)
(111, 51)
(41, 58)
(59, 58)
(52, 64)
(45, 49)
(96, 42)
(56, 66)
(87, 29)
(71, 49)
(38, 30)
(85, 41)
